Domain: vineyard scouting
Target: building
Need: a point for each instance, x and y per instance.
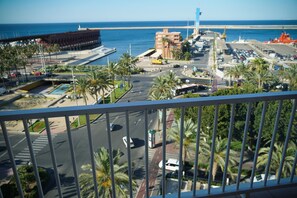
(166, 42)
(77, 40)
(73, 40)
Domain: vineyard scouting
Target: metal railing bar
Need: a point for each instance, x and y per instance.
(258, 143)
(11, 158)
(231, 126)
(34, 163)
(273, 140)
(197, 150)
(72, 152)
(163, 152)
(92, 155)
(53, 156)
(146, 156)
(129, 155)
(246, 128)
(293, 168)
(110, 150)
(288, 135)
(141, 106)
(214, 134)
(1, 195)
(181, 142)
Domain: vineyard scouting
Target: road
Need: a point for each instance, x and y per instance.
(139, 92)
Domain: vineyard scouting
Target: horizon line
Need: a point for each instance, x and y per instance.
(19, 23)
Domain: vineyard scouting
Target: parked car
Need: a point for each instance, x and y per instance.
(259, 178)
(170, 164)
(14, 74)
(111, 126)
(125, 142)
(176, 66)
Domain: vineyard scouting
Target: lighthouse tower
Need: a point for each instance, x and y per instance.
(197, 21)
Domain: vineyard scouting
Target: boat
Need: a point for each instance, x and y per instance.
(283, 39)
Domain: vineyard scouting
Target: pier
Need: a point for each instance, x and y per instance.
(251, 27)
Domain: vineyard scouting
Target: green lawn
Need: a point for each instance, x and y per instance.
(118, 93)
(37, 126)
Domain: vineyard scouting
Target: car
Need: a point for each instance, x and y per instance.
(111, 126)
(14, 74)
(170, 164)
(125, 142)
(259, 178)
(176, 66)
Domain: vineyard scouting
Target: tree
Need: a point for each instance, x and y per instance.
(172, 80)
(160, 86)
(270, 119)
(104, 83)
(276, 158)
(219, 155)
(291, 75)
(259, 78)
(236, 72)
(126, 65)
(258, 65)
(166, 48)
(82, 88)
(93, 79)
(189, 137)
(103, 176)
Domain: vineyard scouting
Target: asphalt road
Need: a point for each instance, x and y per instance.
(139, 92)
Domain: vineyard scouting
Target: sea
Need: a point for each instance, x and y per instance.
(141, 40)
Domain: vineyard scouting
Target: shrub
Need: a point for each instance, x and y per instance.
(28, 182)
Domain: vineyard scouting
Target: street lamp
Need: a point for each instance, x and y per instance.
(74, 89)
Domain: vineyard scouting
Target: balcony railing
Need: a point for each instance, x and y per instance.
(145, 107)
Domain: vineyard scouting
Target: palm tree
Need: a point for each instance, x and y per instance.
(259, 78)
(103, 176)
(258, 65)
(93, 79)
(236, 72)
(219, 155)
(276, 158)
(82, 87)
(166, 53)
(291, 75)
(126, 64)
(103, 83)
(161, 86)
(189, 138)
(172, 80)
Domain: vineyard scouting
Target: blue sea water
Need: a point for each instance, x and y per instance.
(141, 40)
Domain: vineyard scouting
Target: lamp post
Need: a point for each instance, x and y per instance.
(74, 89)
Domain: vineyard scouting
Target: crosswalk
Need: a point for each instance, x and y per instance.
(24, 157)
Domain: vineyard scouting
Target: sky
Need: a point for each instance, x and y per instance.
(53, 11)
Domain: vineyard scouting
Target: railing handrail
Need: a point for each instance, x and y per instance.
(144, 105)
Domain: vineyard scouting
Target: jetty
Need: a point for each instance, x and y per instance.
(207, 27)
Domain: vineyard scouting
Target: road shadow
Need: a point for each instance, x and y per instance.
(159, 144)
(138, 142)
(117, 127)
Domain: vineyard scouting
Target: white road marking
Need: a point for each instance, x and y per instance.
(19, 142)
(150, 122)
(115, 119)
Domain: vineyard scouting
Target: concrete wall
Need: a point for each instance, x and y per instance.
(30, 86)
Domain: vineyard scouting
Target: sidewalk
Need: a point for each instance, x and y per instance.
(154, 170)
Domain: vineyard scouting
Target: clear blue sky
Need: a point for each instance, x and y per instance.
(48, 11)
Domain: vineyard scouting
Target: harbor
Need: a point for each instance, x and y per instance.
(204, 27)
